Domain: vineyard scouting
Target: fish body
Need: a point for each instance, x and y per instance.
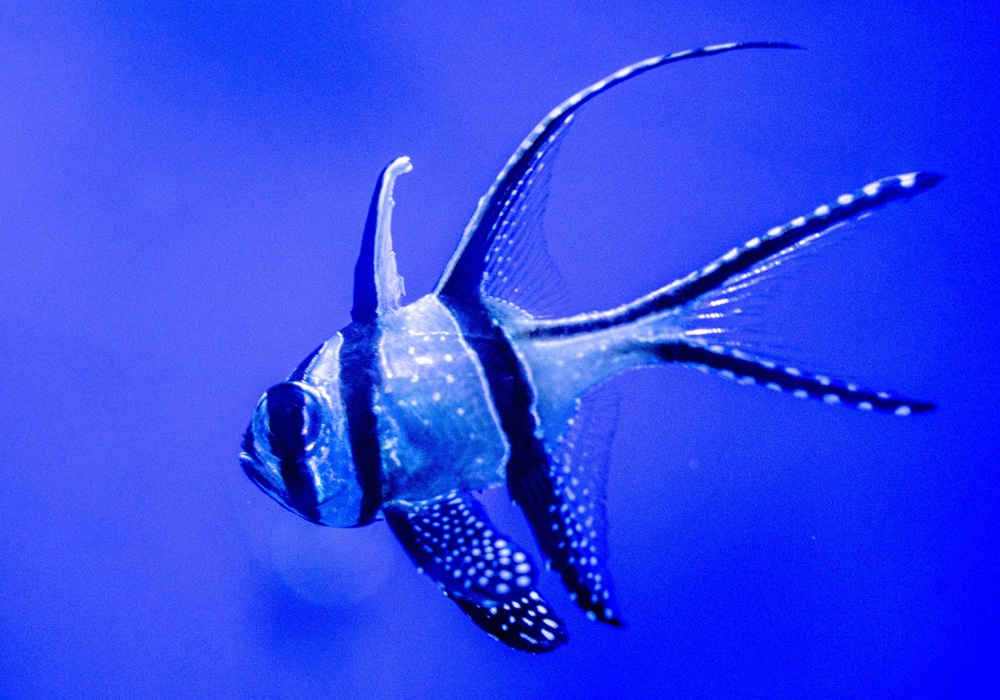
(409, 410)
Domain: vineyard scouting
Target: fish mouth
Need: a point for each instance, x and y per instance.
(253, 468)
(306, 511)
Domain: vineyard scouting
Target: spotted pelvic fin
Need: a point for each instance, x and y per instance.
(451, 539)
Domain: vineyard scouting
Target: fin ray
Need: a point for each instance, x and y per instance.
(464, 273)
(578, 472)
(743, 262)
(518, 268)
(737, 365)
(377, 285)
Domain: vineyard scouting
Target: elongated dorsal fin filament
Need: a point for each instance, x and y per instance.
(464, 273)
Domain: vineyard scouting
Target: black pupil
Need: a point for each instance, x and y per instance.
(287, 423)
(291, 420)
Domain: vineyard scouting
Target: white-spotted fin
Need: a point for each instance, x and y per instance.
(745, 369)
(452, 540)
(576, 523)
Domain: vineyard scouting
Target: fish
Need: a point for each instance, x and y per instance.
(409, 411)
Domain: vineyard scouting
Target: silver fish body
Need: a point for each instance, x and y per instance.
(407, 411)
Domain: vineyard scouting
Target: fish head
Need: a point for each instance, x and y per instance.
(297, 451)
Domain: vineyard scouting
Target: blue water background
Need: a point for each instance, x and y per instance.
(182, 191)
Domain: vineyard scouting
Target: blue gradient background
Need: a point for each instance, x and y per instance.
(182, 191)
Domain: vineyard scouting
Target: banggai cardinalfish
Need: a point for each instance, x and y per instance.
(407, 411)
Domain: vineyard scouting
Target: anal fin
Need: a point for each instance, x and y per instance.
(567, 524)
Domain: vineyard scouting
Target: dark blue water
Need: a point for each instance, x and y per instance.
(182, 191)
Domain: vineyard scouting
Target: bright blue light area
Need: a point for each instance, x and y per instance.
(182, 192)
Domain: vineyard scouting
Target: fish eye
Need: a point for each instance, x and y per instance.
(281, 454)
(294, 419)
(296, 451)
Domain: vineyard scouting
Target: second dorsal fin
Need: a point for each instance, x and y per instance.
(497, 233)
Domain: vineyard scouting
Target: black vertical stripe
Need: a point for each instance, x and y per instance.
(358, 378)
(287, 438)
(528, 467)
(529, 478)
(249, 461)
(510, 391)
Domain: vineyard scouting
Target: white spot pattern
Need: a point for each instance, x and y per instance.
(576, 519)
(803, 230)
(452, 540)
(450, 537)
(747, 369)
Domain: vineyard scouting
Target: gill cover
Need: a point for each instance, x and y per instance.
(296, 450)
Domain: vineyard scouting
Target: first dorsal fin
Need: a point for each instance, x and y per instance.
(377, 284)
